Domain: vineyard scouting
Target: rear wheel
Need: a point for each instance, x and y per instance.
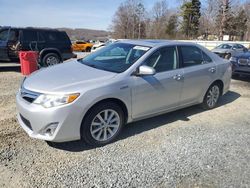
(212, 96)
(102, 124)
(50, 59)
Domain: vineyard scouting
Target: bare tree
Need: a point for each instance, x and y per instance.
(128, 21)
(159, 19)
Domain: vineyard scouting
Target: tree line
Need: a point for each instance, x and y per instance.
(192, 19)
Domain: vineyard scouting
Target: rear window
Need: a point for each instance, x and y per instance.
(191, 56)
(54, 36)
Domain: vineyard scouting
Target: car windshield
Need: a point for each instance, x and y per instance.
(224, 46)
(116, 57)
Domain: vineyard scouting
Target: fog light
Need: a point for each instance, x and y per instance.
(50, 129)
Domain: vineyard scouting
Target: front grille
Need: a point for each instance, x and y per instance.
(29, 96)
(26, 122)
(244, 62)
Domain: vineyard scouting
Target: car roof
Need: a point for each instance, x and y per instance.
(29, 28)
(155, 43)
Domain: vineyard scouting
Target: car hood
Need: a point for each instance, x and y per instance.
(67, 77)
(218, 50)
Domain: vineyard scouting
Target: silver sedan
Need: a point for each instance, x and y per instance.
(94, 97)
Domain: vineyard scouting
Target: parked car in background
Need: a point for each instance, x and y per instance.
(54, 46)
(241, 64)
(82, 46)
(97, 46)
(228, 50)
(92, 98)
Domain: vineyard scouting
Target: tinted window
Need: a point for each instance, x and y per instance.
(163, 60)
(13, 35)
(80, 42)
(4, 35)
(191, 56)
(41, 36)
(52, 36)
(29, 35)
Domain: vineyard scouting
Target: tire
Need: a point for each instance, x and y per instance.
(212, 97)
(93, 127)
(50, 59)
(88, 49)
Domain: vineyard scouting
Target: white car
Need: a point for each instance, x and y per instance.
(100, 45)
(94, 97)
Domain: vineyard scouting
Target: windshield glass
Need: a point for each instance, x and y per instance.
(4, 35)
(225, 46)
(116, 57)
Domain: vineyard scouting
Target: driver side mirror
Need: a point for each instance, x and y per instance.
(145, 70)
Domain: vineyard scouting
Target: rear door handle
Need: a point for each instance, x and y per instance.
(178, 77)
(212, 70)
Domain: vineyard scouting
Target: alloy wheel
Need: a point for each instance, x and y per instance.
(52, 61)
(213, 96)
(105, 125)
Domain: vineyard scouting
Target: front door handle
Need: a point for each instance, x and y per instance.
(178, 77)
(212, 70)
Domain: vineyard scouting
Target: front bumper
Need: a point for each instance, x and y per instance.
(242, 70)
(34, 119)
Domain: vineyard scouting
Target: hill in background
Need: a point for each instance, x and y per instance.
(86, 34)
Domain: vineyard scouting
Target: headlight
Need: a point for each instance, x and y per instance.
(233, 59)
(49, 101)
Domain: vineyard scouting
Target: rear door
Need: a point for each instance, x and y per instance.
(199, 72)
(29, 38)
(4, 35)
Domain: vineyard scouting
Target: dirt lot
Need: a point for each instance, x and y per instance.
(187, 148)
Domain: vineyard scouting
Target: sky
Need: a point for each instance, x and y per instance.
(91, 14)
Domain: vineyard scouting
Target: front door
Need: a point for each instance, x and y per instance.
(159, 92)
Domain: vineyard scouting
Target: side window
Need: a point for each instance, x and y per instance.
(29, 35)
(13, 35)
(41, 36)
(164, 59)
(239, 46)
(206, 58)
(4, 35)
(52, 36)
(191, 56)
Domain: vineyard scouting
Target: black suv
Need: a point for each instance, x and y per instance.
(54, 46)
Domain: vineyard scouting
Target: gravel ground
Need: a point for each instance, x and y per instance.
(187, 148)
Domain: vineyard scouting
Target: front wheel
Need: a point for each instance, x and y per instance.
(102, 124)
(212, 96)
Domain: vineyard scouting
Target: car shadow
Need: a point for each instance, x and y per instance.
(10, 69)
(242, 78)
(148, 124)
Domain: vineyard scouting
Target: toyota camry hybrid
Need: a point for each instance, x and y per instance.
(94, 97)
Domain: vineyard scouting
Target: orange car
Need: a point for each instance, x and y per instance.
(82, 46)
